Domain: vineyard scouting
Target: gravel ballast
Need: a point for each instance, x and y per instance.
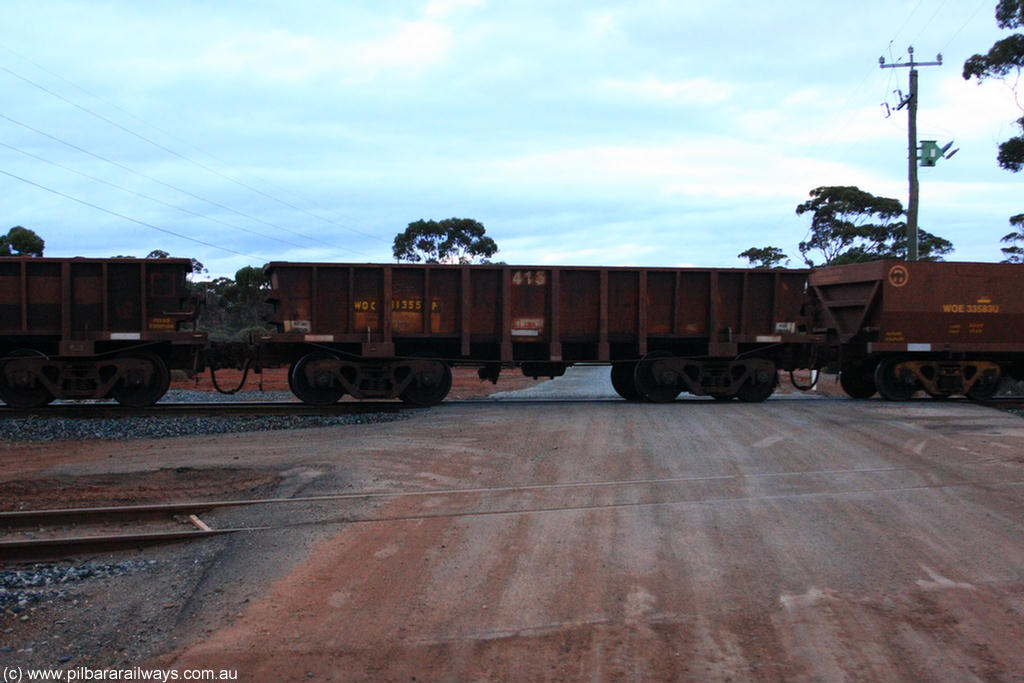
(37, 429)
(44, 429)
(23, 587)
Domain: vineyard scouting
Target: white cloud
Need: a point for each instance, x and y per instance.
(439, 9)
(410, 47)
(600, 24)
(702, 168)
(821, 126)
(696, 90)
(968, 111)
(415, 45)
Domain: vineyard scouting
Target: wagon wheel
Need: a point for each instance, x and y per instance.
(141, 386)
(857, 381)
(320, 389)
(984, 388)
(760, 386)
(23, 391)
(931, 384)
(661, 389)
(623, 383)
(890, 384)
(431, 382)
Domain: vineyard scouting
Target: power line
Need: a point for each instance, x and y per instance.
(906, 21)
(179, 155)
(129, 218)
(160, 182)
(928, 23)
(147, 197)
(969, 19)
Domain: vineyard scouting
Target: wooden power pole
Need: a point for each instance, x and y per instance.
(912, 158)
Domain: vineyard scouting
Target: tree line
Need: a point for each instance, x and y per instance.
(21, 241)
(1006, 56)
(849, 225)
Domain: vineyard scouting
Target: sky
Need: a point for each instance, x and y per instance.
(635, 133)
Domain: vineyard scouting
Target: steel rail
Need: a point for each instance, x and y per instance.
(22, 550)
(51, 547)
(36, 549)
(18, 518)
(48, 548)
(1003, 402)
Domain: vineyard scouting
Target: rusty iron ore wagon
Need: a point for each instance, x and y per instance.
(94, 328)
(381, 331)
(944, 328)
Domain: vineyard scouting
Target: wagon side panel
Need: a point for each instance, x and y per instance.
(331, 310)
(13, 313)
(530, 308)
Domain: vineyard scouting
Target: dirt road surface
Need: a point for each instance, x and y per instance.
(803, 539)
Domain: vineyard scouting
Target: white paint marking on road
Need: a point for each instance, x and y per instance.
(809, 599)
(769, 441)
(386, 552)
(940, 582)
(639, 604)
(339, 599)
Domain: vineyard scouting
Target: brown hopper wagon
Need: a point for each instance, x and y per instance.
(394, 330)
(94, 328)
(945, 328)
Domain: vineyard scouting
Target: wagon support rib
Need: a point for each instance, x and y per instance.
(844, 326)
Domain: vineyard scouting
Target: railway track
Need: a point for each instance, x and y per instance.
(1004, 402)
(46, 534)
(33, 535)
